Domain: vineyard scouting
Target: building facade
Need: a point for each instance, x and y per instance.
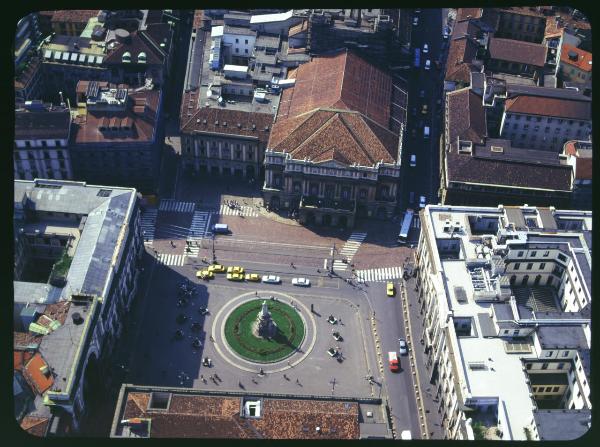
(575, 68)
(521, 23)
(72, 326)
(505, 292)
(42, 135)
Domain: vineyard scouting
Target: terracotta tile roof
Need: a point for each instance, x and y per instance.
(198, 416)
(555, 107)
(517, 51)
(584, 167)
(74, 15)
(465, 28)
(231, 118)
(39, 381)
(48, 123)
(461, 53)
(325, 134)
(342, 80)
(469, 169)
(523, 10)
(584, 58)
(466, 13)
(147, 41)
(35, 426)
(466, 117)
(26, 339)
(142, 112)
(58, 311)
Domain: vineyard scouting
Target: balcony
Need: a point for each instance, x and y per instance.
(326, 203)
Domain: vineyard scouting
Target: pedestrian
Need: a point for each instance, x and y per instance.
(285, 376)
(212, 338)
(298, 381)
(256, 293)
(289, 363)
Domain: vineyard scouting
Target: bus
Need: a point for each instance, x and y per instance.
(417, 57)
(406, 223)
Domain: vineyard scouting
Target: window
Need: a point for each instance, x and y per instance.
(547, 129)
(546, 253)
(533, 253)
(515, 126)
(542, 265)
(246, 51)
(562, 257)
(528, 365)
(520, 254)
(246, 41)
(548, 389)
(549, 120)
(516, 332)
(528, 118)
(544, 366)
(549, 353)
(237, 40)
(506, 331)
(530, 266)
(517, 265)
(560, 365)
(535, 389)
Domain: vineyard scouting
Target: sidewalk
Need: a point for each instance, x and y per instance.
(431, 408)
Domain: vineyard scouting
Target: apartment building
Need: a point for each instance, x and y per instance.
(335, 148)
(72, 22)
(545, 118)
(516, 57)
(42, 134)
(575, 68)
(505, 292)
(521, 23)
(117, 134)
(581, 153)
(78, 276)
(477, 169)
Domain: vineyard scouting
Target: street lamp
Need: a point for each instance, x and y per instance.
(214, 256)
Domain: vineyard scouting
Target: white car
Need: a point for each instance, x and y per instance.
(304, 282)
(413, 160)
(422, 202)
(403, 347)
(415, 21)
(271, 279)
(425, 48)
(427, 64)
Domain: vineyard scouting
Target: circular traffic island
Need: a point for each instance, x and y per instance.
(264, 331)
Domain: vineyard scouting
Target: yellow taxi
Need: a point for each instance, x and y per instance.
(235, 269)
(252, 277)
(235, 277)
(216, 268)
(205, 274)
(391, 291)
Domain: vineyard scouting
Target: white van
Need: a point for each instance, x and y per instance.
(426, 132)
(220, 228)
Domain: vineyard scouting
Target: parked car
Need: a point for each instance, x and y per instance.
(424, 109)
(252, 277)
(216, 268)
(336, 335)
(391, 291)
(394, 361)
(235, 269)
(271, 279)
(403, 347)
(413, 160)
(427, 64)
(332, 352)
(303, 282)
(422, 202)
(332, 320)
(425, 48)
(235, 276)
(415, 21)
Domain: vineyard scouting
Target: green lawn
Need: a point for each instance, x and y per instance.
(238, 332)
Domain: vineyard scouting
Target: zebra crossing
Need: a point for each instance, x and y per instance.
(175, 206)
(169, 259)
(198, 229)
(244, 210)
(378, 275)
(348, 250)
(148, 222)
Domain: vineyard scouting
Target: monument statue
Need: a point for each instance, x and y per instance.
(264, 326)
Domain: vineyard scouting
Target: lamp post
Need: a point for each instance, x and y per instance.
(214, 256)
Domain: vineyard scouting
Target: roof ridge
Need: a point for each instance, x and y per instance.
(150, 41)
(315, 134)
(355, 137)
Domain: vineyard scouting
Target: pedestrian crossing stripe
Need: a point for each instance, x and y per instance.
(349, 250)
(378, 274)
(175, 206)
(197, 231)
(148, 224)
(169, 259)
(244, 210)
